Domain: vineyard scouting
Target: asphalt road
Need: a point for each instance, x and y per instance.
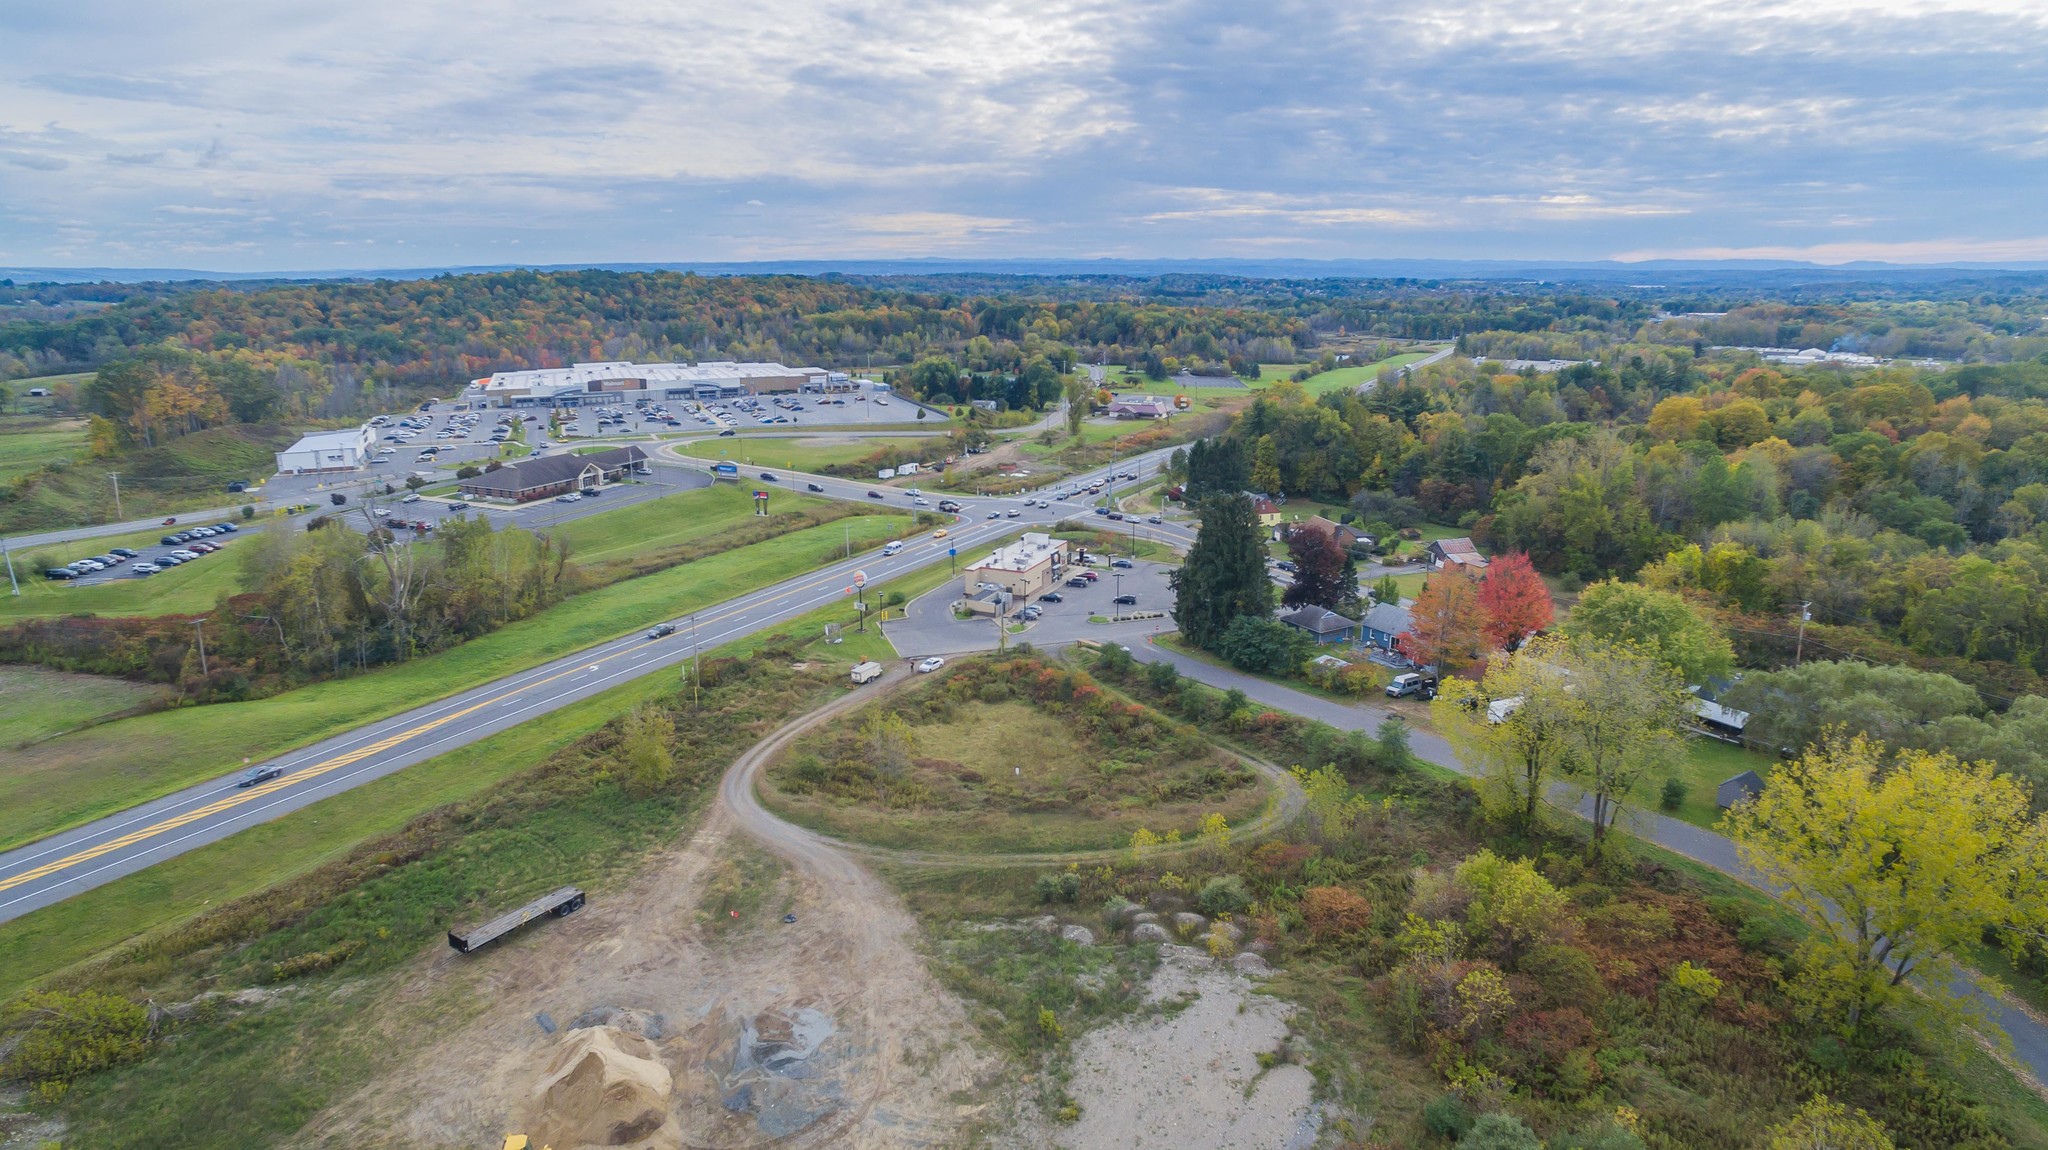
(52, 869)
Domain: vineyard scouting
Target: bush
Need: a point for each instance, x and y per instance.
(248, 511)
(468, 471)
(1334, 912)
(67, 1036)
(1499, 1132)
(1672, 796)
(1224, 894)
(1447, 1116)
(1263, 646)
(1062, 887)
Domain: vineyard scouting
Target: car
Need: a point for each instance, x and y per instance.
(1125, 600)
(939, 534)
(1286, 565)
(726, 432)
(874, 495)
(569, 497)
(227, 527)
(261, 774)
(411, 497)
(892, 547)
(86, 566)
(1088, 576)
(1412, 683)
(1102, 511)
(187, 556)
(1078, 582)
(1012, 513)
(1154, 519)
(1124, 563)
(995, 515)
(123, 552)
(109, 560)
(144, 569)
(1052, 597)
(927, 666)
(661, 631)
(814, 487)
(60, 573)
(1030, 613)
(1117, 515)
(203, 548)
(920, 501)
(770, 477)
(167, 561)
(203, 533)
(593, 492)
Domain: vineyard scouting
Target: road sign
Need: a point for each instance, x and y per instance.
(952, 551)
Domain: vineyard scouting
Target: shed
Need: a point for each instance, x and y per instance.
(1746, 785)
(1321, 624)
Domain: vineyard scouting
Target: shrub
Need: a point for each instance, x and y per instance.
(1062, 887)
(1565, 975)
(1224, 894)
(65, 1036)
(1499, 1132)
(1334, 912)
(1447, 1116)
(1607, 1136)
(248, 511)
(1672, 796)
(468, 471)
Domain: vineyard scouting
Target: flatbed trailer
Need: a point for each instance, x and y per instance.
(561, 902)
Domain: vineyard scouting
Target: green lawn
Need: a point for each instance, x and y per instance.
(1710, 763)
(36, 703)
(49, 940)
(29, 442)
(665, 522)
(79, 777)
(806, 453)
(188, 588)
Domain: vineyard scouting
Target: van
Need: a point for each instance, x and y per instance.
(893, 546)
(1412, 684)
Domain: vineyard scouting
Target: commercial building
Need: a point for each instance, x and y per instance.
(327, 451)
(611, 383)
(1033, 564)
(1141, 407)
(553, 475)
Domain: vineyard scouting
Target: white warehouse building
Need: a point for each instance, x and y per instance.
(609, 383)
(327, 451)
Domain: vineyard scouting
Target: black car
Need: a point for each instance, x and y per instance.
(726, 432)
(227, 527)
(770, 477)
(814, 487)
(60, 573)
(173, 540)
(1120, 563)
(874, 495)
(123, 552)
(262, 774)
(1125, 600)
(1052, 597)
(1077, 581)
(661, 630)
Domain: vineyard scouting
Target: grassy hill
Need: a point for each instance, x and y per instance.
(70, 490)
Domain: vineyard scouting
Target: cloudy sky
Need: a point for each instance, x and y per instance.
(241, 135)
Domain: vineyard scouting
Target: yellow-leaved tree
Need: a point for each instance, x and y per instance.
(1897, 861)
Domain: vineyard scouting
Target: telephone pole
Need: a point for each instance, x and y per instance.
(9, 556)
(199, 627)
(116, 477)
(1799, 651)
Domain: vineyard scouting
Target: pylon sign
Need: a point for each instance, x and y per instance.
(760, 503)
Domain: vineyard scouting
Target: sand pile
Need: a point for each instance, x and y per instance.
(606, 1087)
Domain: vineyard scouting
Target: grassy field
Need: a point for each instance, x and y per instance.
(1709, 763)
(29, 442)
(664, 522)
(984, 792)
(35, 703)
(56, 937)
(191, 471)
(804, 453)
(74, 779)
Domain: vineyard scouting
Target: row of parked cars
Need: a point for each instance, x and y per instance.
(187, 545)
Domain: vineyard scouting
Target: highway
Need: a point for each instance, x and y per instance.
(52, 869)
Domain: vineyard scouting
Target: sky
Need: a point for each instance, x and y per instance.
(248, 136)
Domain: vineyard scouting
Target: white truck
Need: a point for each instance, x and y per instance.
(867, 672)
(886, 473)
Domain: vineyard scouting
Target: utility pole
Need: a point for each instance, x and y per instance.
(199, 627)
(116, 477)
(696, 663)
(9, 556)
(1799, 651)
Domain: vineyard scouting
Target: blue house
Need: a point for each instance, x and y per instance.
(1385, 621)
(1322, 625)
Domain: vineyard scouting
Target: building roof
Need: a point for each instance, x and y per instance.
(1035, 548)
(1323, 526)
(1389, 618)
(1734, 790)
(1318, 620)
(1460, 550)
(1264, 506)
(552, 469)
(328, 441)
(584, 374)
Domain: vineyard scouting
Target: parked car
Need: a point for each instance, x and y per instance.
(1124, 563)
(661, 631)
(60, 573)
(109, 560)
(261, 774)
(927, 666)
(1030, 614)
(167, 560)
(186, 555)
(123, 552)
(227, 527)
(1052, 597)
(1125, 600)
(569, 497)
(173, 540)
(1077, 581)
(144, 569)
(1087, 576)
(1412, 683)
(411, 497)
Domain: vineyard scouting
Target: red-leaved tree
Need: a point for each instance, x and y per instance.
(1516, 602)
(1447, 625)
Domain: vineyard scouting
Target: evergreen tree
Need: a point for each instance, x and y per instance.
(1225, 573)
(1217, 467)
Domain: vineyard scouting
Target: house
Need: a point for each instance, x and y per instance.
(1746, 785)
(555, 475)
(1719, 719)
(1267, 511)
(1346, 536)
(1321, 624)
(1457, 553)
(1386, 622)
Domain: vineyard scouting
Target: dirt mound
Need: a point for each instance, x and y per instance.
(605, 1087)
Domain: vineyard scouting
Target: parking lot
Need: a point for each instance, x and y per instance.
(929, 627)
(748, 413)
(142, 561)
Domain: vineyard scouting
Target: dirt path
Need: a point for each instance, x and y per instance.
(828, 1031)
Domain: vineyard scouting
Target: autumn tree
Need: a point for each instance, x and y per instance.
(1332, 912)
(1324, 573)
(646, 760)
(1512, 726)
(1224, 576)
(1515, 600)
(1898, 862)
(1448, 625)
(889, 742)
(1625, 721)
(1824, 1124)
(1660, 624)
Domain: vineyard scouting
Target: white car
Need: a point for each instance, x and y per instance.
(927, 666)
(411, 497)
(571, 497)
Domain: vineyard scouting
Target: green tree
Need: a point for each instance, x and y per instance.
(1898, 862)
(414, 483)
(1624, 724)
(1265, 473)
(646, 762)
(1513, 725)
(1659, 624)
(1264, 646)
(1824, 1124)
(1076, 392)
(1224, 576)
